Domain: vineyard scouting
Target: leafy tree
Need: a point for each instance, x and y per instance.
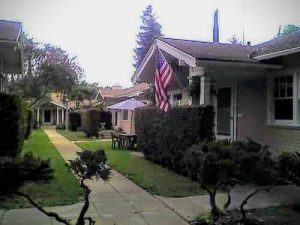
(289, 29)
(47, 68)
(149, 30)
(82, 92)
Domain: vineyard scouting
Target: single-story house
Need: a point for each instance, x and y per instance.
(50, 111)
(255, 90)
(11, 51)
(123, 114)
(112, 95)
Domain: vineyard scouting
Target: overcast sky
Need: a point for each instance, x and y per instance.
(102, 33)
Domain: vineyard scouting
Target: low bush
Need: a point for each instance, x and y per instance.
(90, 121)
(75, 120)
(289, 165)
(105, 117)
(12, 125)
(247, 161)
(60, 126)
(164, 137)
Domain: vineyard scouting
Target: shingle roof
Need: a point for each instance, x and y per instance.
(212, 50)
(9, 30)
(116, 93)
(283, 42)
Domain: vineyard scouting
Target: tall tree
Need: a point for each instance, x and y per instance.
(289, 29)
(149, 30)
(47, 68)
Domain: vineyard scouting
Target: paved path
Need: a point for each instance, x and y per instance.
(117, 202)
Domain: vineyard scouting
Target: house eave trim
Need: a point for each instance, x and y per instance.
(278, 53)
(237, 64)
(157, 43)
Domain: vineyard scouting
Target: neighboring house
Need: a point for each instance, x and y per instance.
(52, 110)
(255, 90)
(115, 94)
(123, 114)
(11, 51)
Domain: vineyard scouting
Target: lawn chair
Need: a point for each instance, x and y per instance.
(115, 139)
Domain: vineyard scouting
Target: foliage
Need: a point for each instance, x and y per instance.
(106, 117)
(23, 170)
(47, 68)
(60, 126)
(87, 166)
(83, 93)
(246, 161)
(90, 121)
(149, 30)
(151, 177)
(29, 124)
(75, 120)
(289, 164)
(289, 29)
(12, 125)
(163, 141)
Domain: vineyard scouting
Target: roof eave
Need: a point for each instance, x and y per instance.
(277, 54)
(158, 43)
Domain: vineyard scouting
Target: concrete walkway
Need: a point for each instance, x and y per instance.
(117, 202)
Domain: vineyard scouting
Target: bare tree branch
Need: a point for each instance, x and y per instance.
(87, 191)
(50, 214)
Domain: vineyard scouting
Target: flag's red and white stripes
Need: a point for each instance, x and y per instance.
(163, 75)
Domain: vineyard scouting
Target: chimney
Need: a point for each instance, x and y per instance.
(216, 27)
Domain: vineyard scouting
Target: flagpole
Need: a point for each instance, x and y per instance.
(175, 75)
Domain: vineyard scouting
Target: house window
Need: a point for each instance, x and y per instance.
(125, 114)
(177, 99)
(283, 98)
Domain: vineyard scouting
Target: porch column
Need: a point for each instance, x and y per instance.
(38, 116)
(198, 72)
(62, 116)
(57, 115)
(204, 90)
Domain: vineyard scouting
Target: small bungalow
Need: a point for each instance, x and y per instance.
(123, 114)
(255, 90)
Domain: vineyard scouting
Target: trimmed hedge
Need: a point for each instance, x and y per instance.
(245, 160)
(106, 117)
(90, 121)
(12, 125)
(164, 137)
(75, 120)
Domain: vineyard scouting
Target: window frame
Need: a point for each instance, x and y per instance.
(123, 113)
(295, 99)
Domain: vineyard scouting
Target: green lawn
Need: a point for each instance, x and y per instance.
(64, 189)
(74, 135)
(151, 177)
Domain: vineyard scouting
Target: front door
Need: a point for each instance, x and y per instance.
(47, 116)
(224, 113)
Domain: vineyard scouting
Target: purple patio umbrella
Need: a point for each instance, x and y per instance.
(127, 104)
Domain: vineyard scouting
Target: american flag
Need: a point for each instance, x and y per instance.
(163, 75)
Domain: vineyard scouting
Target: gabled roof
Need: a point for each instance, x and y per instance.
(127, 104)
(9, 30)
(127, 92)
(278, 46)
(212, 50)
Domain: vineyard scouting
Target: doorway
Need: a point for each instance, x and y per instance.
(225, 114)
(47, 116)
